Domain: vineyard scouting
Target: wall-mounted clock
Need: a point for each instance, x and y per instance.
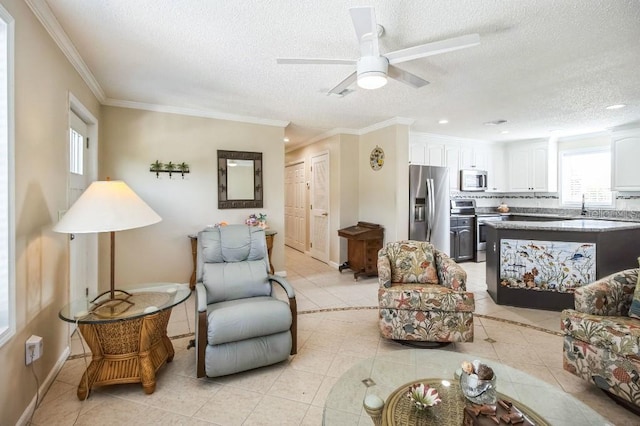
(376, 159)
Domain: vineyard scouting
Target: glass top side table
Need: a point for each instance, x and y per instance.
(128, 342)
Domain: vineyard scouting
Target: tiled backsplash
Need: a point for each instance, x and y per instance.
(627, 205)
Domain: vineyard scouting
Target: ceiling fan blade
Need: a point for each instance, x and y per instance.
(406, 77)
(344, 84)
(435, 48)
(364, 22)
(303, 61)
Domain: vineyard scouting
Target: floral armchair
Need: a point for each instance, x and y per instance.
(422, 295)
(601, 342)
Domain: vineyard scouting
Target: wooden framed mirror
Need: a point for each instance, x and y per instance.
(239, 179)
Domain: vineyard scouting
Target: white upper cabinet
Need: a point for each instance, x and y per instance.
(474, 157)
(452, 158)
(625, 155)
(426, 153)
(456, 154)
(497, 164)
(533, 167)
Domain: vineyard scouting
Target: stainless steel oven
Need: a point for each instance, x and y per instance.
(481, 234)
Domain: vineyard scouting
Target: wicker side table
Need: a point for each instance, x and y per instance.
(128, 343)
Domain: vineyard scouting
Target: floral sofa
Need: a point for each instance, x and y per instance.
(601, 342)
(422, 295)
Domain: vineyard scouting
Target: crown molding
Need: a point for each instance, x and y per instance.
(42, 11)
(194, 112)
(390, 122)
(452, 138)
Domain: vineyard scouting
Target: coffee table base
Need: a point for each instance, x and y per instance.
(127, 351)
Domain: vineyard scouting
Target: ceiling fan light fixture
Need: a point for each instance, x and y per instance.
(372, 72)
(372, 80)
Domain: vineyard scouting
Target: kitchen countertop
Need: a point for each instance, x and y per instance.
(574, 225)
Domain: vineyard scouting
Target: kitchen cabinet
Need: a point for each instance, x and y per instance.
(496, 171)
(452, 161)
(474, 157)
(427, 154)
(625, 151)
(533, 167)
(456, 154)
(461, 238)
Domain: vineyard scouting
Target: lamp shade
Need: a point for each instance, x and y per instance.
(107, 206)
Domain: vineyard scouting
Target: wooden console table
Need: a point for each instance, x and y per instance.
(128, 343)
(268, 233)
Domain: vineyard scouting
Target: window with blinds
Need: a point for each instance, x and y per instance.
(586, 172)
(7, 231)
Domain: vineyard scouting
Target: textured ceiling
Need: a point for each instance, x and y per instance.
(542, 65)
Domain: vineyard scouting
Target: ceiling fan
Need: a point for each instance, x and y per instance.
(372, 69)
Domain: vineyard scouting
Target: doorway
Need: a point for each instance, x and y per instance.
(295, 223)
(319, 244)
(82, 168)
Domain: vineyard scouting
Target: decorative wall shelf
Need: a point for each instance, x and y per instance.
(169, 167)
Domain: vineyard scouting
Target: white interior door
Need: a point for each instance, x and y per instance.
(83, 248)
(319, 244)
(294, 207)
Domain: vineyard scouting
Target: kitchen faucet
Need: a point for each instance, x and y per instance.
(584, 210)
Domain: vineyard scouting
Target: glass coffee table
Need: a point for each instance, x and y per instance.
(385, 374)
(128, 340)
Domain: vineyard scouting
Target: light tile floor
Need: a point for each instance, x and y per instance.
(329, 342)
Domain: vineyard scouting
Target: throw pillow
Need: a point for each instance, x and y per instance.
(634, 311)
(414, 262)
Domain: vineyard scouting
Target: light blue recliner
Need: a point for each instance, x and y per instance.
(241, 325)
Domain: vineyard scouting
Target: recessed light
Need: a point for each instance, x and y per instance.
(504, 132)
(286, 139)
(443, 121)
(616, 106)
(494, 122)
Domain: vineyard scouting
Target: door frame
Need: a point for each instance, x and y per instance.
(75, 105)
(311, 216)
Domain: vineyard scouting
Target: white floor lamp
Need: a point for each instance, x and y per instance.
(107, 206)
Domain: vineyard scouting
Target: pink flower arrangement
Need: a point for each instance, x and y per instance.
(423, 396)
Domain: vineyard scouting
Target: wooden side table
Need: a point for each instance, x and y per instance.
(269, 236)
(128, 343)
(364, 241)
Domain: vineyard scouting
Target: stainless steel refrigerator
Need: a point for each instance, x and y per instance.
(429, 205)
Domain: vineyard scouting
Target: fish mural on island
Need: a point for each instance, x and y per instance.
(546, 265)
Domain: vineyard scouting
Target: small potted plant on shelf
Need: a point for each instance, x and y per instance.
(183, 168)
(170, 167)
(156, 167)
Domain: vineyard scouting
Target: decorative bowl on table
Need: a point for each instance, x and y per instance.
(478, 383)
(423, 396)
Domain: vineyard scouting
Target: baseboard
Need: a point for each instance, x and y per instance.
(334, 265)
(44, 387)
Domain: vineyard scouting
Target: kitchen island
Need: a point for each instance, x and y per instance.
(539, 264)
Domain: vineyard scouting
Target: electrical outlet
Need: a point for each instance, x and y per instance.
(33, 348)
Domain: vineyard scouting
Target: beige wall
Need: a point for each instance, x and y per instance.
(384, 193)
(133, 139)
(43, 79)
(359, 193)
(343, 187)
(330, 146)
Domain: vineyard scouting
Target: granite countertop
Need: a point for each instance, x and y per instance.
(573, 225)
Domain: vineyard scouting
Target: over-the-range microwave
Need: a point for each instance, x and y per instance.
(473, 180)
